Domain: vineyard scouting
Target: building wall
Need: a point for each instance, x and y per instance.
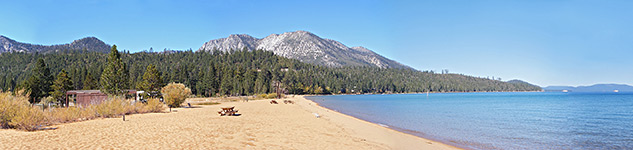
(84, 100)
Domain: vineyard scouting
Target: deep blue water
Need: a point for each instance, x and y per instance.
(530, 120)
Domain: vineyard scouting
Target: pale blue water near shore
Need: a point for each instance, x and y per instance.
(530, 120)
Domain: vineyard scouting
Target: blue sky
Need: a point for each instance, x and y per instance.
(545, 42)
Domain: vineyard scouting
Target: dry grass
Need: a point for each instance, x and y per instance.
(70, 114)
(154, 105)
(271, 96)
(16, 112)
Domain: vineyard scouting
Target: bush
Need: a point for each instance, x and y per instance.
(8, 108)
(16, 112)
(139, 108)
(271, 96)
(113, 107)
(70, 114)
(28, 118)
(154, 105)
(175, 94)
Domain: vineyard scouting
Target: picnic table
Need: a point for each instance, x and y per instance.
(228, 111)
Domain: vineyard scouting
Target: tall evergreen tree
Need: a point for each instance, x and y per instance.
(237, 82)
(152, 82)
(206, 84)
(89, 82)
(60, 86)
(114, 78)
(39, 84)
(261, 84)
(249, 82)
(226, 85)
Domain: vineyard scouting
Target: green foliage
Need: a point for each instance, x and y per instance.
(114, 77)
(271, 96)
(39, 84)
(60, 86)
(251, 72)
(151, 80)
(175, 94)
(208, 84)
(90, 82)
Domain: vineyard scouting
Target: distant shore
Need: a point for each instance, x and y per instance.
(261, 125)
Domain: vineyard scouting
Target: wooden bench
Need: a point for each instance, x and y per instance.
(228, 111)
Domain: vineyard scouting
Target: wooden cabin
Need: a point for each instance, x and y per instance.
(83, 98)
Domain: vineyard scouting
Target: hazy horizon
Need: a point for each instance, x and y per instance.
(547, 43)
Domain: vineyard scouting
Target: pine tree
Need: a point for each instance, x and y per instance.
(237, 82)
(206, 84)
(152, 82)
(60, 86)
(89, 82)
(227, 79)
(261, 84)
(249, 82)
(39, 84)
(114, 78)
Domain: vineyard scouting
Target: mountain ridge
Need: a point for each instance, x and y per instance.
(306, 47)
(8, 45)
(592, 88)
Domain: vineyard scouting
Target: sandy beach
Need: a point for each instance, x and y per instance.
(260, 126)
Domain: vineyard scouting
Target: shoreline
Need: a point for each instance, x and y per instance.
(424, 93)
(260, 125)
(408, 142)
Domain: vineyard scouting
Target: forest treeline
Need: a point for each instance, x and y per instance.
(242, 72)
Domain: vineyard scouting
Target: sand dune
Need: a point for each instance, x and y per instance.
(260, 126)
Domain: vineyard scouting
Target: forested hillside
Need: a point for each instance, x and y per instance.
(244, 73)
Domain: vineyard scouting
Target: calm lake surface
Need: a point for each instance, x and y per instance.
(530, 120)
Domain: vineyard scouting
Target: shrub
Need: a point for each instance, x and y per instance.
(113, 107)
(154, 105)
(175, 94)
(8, 108)
(139, 108)
(63, 115)
(28, 118)
(271, 96)
(16, 112)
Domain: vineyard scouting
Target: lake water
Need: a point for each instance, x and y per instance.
(530, 120)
